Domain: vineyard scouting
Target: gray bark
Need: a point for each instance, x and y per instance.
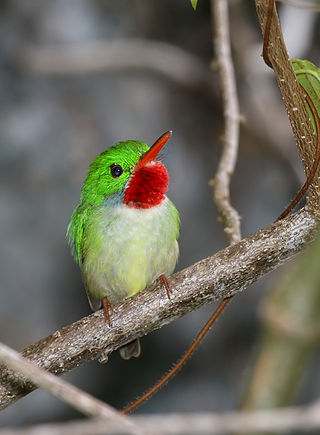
(216, 277)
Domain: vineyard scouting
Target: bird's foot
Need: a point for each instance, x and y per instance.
(107, 310)
(164, 280)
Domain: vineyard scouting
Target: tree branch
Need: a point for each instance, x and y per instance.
(77, 398)
(293, 99)
(221, 182)
(217, 277)
(282, 420)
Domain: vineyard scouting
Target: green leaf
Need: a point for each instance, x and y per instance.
(308, 76)
(194, 4)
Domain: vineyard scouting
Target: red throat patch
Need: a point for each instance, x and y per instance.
(147, 186)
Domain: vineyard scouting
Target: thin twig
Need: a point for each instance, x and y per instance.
(228, 159)
(70, 394)
(314, 168)
(266, 36)
(178, 365)
(302, 418)
(279, 420)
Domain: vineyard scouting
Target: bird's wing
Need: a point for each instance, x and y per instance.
(75, 234)
(76, 229)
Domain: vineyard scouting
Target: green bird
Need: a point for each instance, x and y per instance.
(123, 234)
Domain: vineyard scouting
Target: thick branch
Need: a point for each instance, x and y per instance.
(221, 182)
(221, 275)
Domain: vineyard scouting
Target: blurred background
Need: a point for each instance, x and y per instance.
(77, 76)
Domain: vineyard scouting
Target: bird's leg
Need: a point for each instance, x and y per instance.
(164, 280)
(107, 309)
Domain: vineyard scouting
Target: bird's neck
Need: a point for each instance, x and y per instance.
(147, 186)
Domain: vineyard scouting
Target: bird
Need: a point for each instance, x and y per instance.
(123, 233)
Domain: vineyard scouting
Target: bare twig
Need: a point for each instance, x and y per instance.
(179, 364)
(216, 277)
(282, 420)
(314, 168)
(228, 159)
(70, 394)
(266, 35)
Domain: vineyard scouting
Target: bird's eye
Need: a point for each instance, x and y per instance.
(116, 170)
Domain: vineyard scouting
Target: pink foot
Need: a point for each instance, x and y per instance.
(164, 280)
(107, 309)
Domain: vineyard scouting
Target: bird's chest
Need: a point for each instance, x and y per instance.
(128, 248)
(127, 229)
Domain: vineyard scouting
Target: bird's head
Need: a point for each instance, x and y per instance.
(128, 170)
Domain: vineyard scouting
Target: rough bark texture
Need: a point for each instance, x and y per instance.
(293, 99)
(216, 277)
(291, 310)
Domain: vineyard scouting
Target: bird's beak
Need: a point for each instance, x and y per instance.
(154, 150)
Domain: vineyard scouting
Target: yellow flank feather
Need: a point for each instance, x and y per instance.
(126, 249)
